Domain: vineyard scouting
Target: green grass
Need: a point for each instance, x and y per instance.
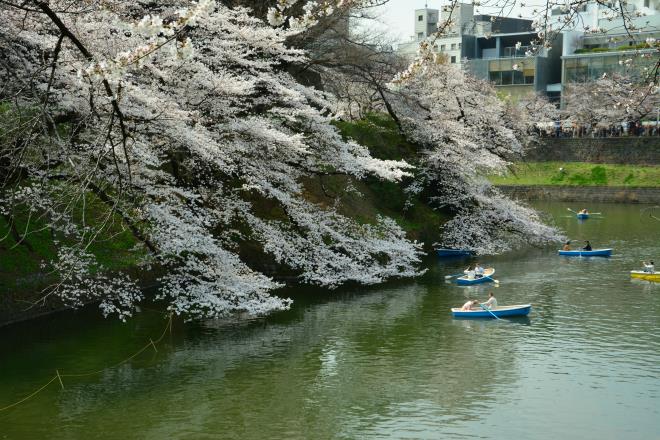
(579, 174)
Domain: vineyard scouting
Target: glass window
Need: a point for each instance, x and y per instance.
(453, 46)
(443, 46)
(518, 77)
(420, 35)
(453, 60)
(459, 45)
(495, 77)
(419, 18)
(529, 79)
(507, 78)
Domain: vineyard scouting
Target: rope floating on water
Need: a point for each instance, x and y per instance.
(59, 376)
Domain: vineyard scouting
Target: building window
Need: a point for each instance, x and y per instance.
(453, 46)
(647, 3)
(453, 60)
(420, 18)
(420, 35)
(459, 45)
(443, 47)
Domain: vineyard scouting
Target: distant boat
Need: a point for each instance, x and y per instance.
(592, 253)
(648, 276)
(464, 281)
(445, 253)
(500, 312)
(582, 216)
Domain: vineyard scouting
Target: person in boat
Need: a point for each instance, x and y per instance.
(468, 305)
(491, 302)
(469, 272)
(587, 246)
(649, 267)
(478, 271)
(567, 246)
(584, 211)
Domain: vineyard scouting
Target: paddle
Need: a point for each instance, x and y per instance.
(492, 279)
(488, 310)
(455, 275)
(569, 209)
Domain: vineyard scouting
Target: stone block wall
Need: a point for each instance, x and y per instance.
(583, 193)
(643, 150)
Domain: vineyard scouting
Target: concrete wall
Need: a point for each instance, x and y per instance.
(583, 193)
(624, 150)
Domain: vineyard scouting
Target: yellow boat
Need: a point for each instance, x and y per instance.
(655, 276)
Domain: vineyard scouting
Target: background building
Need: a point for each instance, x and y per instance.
(496, 48)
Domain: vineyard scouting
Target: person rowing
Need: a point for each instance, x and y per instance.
(649, 267)
(470, 272)
(584, 211)
(478, 271)
(468, 305)
(587, 246)
(567, 246)
(491, 303)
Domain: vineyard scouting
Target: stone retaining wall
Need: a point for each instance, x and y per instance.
(583, 193)
(624, 150)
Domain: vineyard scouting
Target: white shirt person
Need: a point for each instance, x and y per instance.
(650, 267)
(491, 303)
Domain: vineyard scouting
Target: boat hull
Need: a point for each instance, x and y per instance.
(645, 275)
(594, 253)
(500, 312)
(582, 216)
(447, 253)
(464, 281)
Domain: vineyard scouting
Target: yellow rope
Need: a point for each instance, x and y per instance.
(30, 396)
(59, 376)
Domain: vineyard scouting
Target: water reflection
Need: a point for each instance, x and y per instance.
(379, 362)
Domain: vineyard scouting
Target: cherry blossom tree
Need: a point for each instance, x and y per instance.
(612, 99)
(467, 133)
(181, 119)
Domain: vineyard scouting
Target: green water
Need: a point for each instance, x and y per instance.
(378, 362)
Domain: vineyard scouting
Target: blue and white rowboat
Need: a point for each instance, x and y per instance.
(500, 312)
(582, 216)
(464, 281)
(593, 253)
(444, 253)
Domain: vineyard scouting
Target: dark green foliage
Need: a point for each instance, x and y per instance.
(380, 134)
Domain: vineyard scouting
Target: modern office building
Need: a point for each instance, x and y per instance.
(506, 61)
(497, 48)
(463, 24)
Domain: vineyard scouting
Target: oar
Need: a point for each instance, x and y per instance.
(455, 275)
(569, 209)
(492, 279)
(488, 310)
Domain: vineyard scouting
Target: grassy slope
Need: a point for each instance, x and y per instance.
(580, 174)
(380, 134)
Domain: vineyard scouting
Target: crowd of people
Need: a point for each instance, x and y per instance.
(575, 130)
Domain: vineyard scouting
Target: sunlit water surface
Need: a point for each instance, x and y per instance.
(377, 362)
